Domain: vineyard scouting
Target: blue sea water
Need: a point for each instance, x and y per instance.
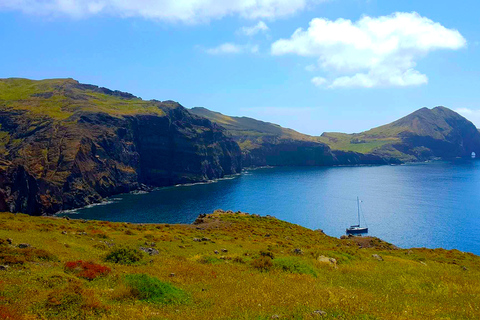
(419, 205)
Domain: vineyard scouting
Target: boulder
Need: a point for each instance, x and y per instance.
(377, 257)
(319, 313)
(326, 260)
(150, 251)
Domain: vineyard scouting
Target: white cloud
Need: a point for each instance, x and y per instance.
(371, 52)
(232, 48)
(251, 31)
(319, 81)
(187, 11)
(311, 67)
(471, 114)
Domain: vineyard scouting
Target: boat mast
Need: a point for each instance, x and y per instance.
(358, 209)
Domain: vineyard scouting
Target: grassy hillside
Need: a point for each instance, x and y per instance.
(61, 98)
(355, 142)
(227, 266)
(424, 133)
(251, 133)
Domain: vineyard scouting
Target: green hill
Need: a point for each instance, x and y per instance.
(251, 133)
(61, 98)
(421, 135)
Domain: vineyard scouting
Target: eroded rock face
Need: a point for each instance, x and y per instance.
(49, 165)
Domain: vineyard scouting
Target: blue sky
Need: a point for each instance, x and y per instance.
(337, 75)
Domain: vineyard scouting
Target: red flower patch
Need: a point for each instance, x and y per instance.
(87, 270)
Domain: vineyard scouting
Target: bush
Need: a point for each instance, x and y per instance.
(295, 265)
(11, 256)
(86, 270)
(267, 254)
(73, 302)
(9, 312)
(124, 256)
(150, 289)
(262, 263)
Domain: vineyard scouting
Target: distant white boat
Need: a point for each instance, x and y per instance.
(474, 155)
(357, 228)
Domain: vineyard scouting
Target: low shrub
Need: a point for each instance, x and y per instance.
(150, 289)
(86, 270)
(12, 256)
(9, 312)
(295, 265)
(262, 263)
(267, 254)
(124, 256)
(238, 260)
(73, 302)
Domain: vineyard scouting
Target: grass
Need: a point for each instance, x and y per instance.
(355, 142)
(61, 98)
(150, 289)
(217, 278)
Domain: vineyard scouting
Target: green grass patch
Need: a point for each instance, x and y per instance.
(295, 265)
(150, 289)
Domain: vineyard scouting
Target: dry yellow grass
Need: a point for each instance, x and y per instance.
(407, 284)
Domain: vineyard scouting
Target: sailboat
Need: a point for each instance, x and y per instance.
(357, 228)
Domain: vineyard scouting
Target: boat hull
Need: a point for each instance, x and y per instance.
(357, 230)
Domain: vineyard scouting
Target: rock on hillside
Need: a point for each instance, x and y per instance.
(64, 144)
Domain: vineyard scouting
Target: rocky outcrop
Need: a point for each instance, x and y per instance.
(50, 164)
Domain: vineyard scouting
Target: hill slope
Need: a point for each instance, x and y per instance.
(265, 143)
(64, 144)
(227, 266)
(422, 135)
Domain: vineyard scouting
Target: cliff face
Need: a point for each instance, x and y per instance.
(268, 144)
(438, 132)
(77, 156)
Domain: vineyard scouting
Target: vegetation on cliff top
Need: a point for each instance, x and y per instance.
(251, 133)
(61, 98)
(226, 266)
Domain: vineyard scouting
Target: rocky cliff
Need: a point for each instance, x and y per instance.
(64, 145)
(268, 144)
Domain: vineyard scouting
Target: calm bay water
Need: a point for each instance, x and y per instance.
(421, 205)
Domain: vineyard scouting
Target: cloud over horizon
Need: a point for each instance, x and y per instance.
(186, 11)
(231, 48)
(371, 52)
